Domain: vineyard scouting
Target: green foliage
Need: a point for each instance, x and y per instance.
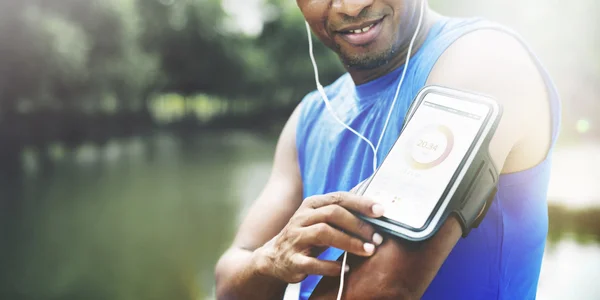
(116, 55)
(74, 55)
(288, 71)
(195, 56)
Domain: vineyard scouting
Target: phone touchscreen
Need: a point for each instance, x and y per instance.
(424, 159)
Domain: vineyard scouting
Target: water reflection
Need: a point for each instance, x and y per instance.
(133, 219)
(147, 218)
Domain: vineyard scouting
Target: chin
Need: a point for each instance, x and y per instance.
(370, 57)
(366, 61)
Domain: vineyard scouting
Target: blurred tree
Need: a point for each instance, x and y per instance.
(286, 72)
(74, 55)
(196, 56)
(90, 56)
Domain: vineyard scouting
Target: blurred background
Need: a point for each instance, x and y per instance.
(135, 133)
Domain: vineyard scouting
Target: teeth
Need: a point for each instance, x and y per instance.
(362, 30)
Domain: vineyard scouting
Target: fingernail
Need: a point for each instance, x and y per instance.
(378, 209)
(369, 248)
(346, 268)
(377, 239)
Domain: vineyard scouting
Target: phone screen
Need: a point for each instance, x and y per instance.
(420, 165)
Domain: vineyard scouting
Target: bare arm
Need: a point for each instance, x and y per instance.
(237, 271)
(486, 62)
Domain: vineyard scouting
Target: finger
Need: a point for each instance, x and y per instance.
(314, 266)
(341, 218)
(324, 235)
(356, 203)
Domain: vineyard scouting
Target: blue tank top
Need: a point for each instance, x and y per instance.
(501, 259)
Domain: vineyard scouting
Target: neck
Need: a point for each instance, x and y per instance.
(360, 76)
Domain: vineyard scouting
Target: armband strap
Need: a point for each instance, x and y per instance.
(472, 189)
(472, 209)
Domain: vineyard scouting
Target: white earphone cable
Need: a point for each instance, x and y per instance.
(331, 111)
(408, 54)
(326, 99)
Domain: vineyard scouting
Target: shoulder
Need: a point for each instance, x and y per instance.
(493, 62)
(497, 63)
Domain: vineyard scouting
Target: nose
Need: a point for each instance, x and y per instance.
(350, 8)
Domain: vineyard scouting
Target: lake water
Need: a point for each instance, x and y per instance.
(147, 218)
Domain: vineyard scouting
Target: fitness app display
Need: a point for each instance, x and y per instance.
(420, 165)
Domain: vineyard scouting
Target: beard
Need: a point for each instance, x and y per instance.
(369, 60)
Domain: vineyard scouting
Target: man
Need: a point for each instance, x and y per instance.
(301, 223)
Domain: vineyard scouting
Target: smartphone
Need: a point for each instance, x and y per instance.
(443, 131)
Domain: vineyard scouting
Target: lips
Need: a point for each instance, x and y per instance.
(362, 34)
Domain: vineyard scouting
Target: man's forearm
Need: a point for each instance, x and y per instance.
(239, 276)
(398, 270)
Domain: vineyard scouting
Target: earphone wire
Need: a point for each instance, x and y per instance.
(326, 99)
(334, 115)
(410, 46)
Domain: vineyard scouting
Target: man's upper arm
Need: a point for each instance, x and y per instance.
(486, 62)
(281, 196)
(496, 64)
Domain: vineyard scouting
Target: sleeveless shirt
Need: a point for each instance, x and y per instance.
(501, 259)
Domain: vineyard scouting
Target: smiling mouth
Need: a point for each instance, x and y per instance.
(361, 28)
(362, 35)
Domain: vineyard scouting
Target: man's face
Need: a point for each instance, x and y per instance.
(364, 33)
